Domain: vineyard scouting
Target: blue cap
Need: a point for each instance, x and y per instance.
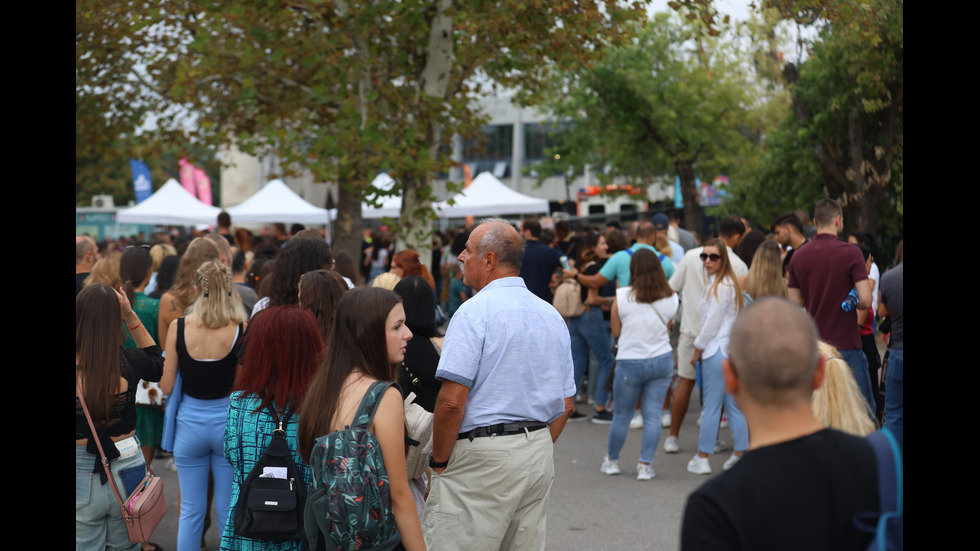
(660, 221)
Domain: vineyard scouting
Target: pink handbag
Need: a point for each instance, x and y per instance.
(145, 507)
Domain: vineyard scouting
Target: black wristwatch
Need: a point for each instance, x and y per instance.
(437, 465)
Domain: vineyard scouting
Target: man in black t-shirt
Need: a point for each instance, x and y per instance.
(800, 485)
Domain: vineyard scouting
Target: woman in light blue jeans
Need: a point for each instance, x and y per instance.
(106, 377)
(204, 347)
(644, 363)
(588, 331)
(720, 303)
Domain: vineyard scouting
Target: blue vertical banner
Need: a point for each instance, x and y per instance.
(141, 180)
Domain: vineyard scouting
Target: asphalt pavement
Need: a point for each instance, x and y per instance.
(588, 509)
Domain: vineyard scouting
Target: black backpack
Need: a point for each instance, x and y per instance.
(272, 508)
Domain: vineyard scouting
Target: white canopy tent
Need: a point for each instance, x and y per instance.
(488, 196)
(170, 205)
(391, 205)
(275, 202)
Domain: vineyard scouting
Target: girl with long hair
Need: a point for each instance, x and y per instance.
(369, 342)
(644, 361)
(319, 293)
(108, 377)
(838, 403)
(135, 268)
(181, 294)
(283, 350)
(204, 346)
(588, 331)
(765, 277)
(720, 304)
(417, 371)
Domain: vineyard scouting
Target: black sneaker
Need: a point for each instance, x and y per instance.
(576, 416)
(603, 417)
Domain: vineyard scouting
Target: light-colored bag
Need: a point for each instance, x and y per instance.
(418, 425)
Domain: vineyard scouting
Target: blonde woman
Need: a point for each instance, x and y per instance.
(158, 252)
(838, 403)
(181, 294)
(204, 345)
(765, 277)
(106, 270)
(720, 304)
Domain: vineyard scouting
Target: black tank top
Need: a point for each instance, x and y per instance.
(207, 379)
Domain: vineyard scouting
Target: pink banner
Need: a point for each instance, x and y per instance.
(203, 186)
(187, 176)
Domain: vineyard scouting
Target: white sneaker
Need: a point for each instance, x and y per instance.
(699, 465)
(731, 462)
(637, 421)
(665, 419)
(700, 415)
(609, 466)
(644, 472)
(721, 446)
(670, 445)
(724, 422)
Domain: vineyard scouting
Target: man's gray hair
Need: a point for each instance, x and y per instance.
(503, 240)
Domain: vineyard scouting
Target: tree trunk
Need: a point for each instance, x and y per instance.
(415, 226)
(693, 218)
(348, 226)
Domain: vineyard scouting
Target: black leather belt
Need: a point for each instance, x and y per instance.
(503, 429)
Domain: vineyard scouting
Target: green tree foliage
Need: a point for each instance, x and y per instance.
(844, 137)
(673, 101)
(346, 88)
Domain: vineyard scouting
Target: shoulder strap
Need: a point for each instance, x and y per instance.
(105, 462)
(629, 252)
(369, 404)
(181, 346)
(890, 474)
(660, 256)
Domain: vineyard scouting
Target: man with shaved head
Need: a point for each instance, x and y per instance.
(800, 485)
(506, 371)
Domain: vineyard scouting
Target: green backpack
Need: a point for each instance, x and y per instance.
(349, 504)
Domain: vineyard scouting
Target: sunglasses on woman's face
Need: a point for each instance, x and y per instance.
(713, 257)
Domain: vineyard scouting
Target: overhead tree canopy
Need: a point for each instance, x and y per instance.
(844, 138)
(343, 88)
(671, 102)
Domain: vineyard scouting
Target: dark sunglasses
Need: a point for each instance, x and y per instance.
(713, 257)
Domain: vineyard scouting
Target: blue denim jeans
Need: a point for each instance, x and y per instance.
(588, 331)
(713, 395)
(895, 394)
(199, 450)
(98, 523)
(650, 379)
(858, 362)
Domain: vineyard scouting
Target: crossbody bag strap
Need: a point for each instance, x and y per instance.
(105, 462)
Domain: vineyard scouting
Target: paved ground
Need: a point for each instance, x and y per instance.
(588, 509)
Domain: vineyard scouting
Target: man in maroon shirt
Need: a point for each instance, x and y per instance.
(821, 274)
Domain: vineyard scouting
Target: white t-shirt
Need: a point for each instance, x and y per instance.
(644, 333)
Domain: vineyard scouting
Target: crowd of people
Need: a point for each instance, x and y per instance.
(230, 337)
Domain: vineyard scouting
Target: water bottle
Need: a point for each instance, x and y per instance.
(850, 301)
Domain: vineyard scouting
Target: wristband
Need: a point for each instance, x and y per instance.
(437, 464)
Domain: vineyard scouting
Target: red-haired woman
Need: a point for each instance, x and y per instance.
(282, 353)
(407, 263)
